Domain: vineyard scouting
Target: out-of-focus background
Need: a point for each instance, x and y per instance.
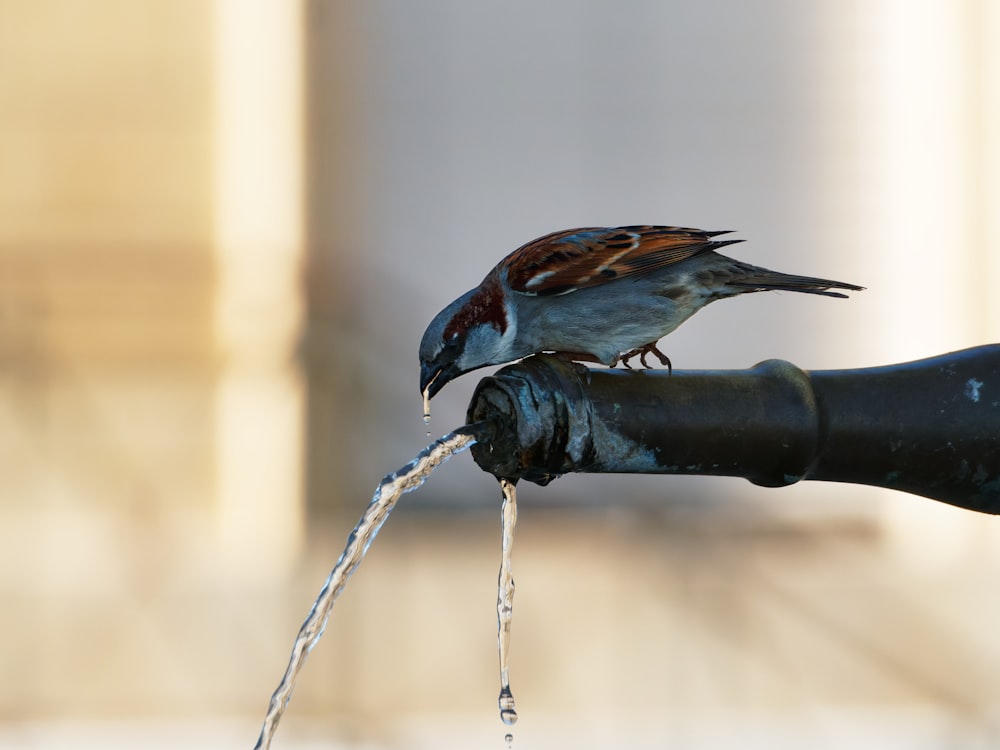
(223, 227)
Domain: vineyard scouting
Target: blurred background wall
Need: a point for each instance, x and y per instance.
(223, 228)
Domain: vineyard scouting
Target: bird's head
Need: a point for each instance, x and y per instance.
(474, 331)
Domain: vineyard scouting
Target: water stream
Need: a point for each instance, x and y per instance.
(505, 599)
(391, 488)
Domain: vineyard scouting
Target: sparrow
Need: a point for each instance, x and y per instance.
(595, 294)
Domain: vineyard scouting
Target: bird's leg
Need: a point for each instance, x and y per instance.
(623, 360)
(664, 359)
(641, 353)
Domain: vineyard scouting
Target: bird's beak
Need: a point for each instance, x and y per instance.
(434, 377)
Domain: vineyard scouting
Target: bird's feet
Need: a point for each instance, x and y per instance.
(641, 353)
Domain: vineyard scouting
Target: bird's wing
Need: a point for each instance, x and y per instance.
(562, 262)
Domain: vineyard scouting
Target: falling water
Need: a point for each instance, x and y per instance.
(427, 404)
(426, 393)
(392, 487)
(505, 599)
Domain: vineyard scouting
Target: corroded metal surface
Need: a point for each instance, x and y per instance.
(930, 427)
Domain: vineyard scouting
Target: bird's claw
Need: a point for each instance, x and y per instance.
(641, 353)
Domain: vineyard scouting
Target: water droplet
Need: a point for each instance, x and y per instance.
(427, 405)
(509, 739)
(507, 713)
(427, 409)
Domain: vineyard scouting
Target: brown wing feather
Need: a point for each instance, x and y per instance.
(562, 262)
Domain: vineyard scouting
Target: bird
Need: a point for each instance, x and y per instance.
(593, 294)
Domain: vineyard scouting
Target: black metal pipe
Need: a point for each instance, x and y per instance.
(930, 427)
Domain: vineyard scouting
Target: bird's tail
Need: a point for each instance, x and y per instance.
(755, 279)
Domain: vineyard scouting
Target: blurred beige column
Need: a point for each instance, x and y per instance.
(933, 147)
(989, 162)
(258, 228)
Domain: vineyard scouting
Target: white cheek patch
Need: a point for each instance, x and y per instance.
(507, 339)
